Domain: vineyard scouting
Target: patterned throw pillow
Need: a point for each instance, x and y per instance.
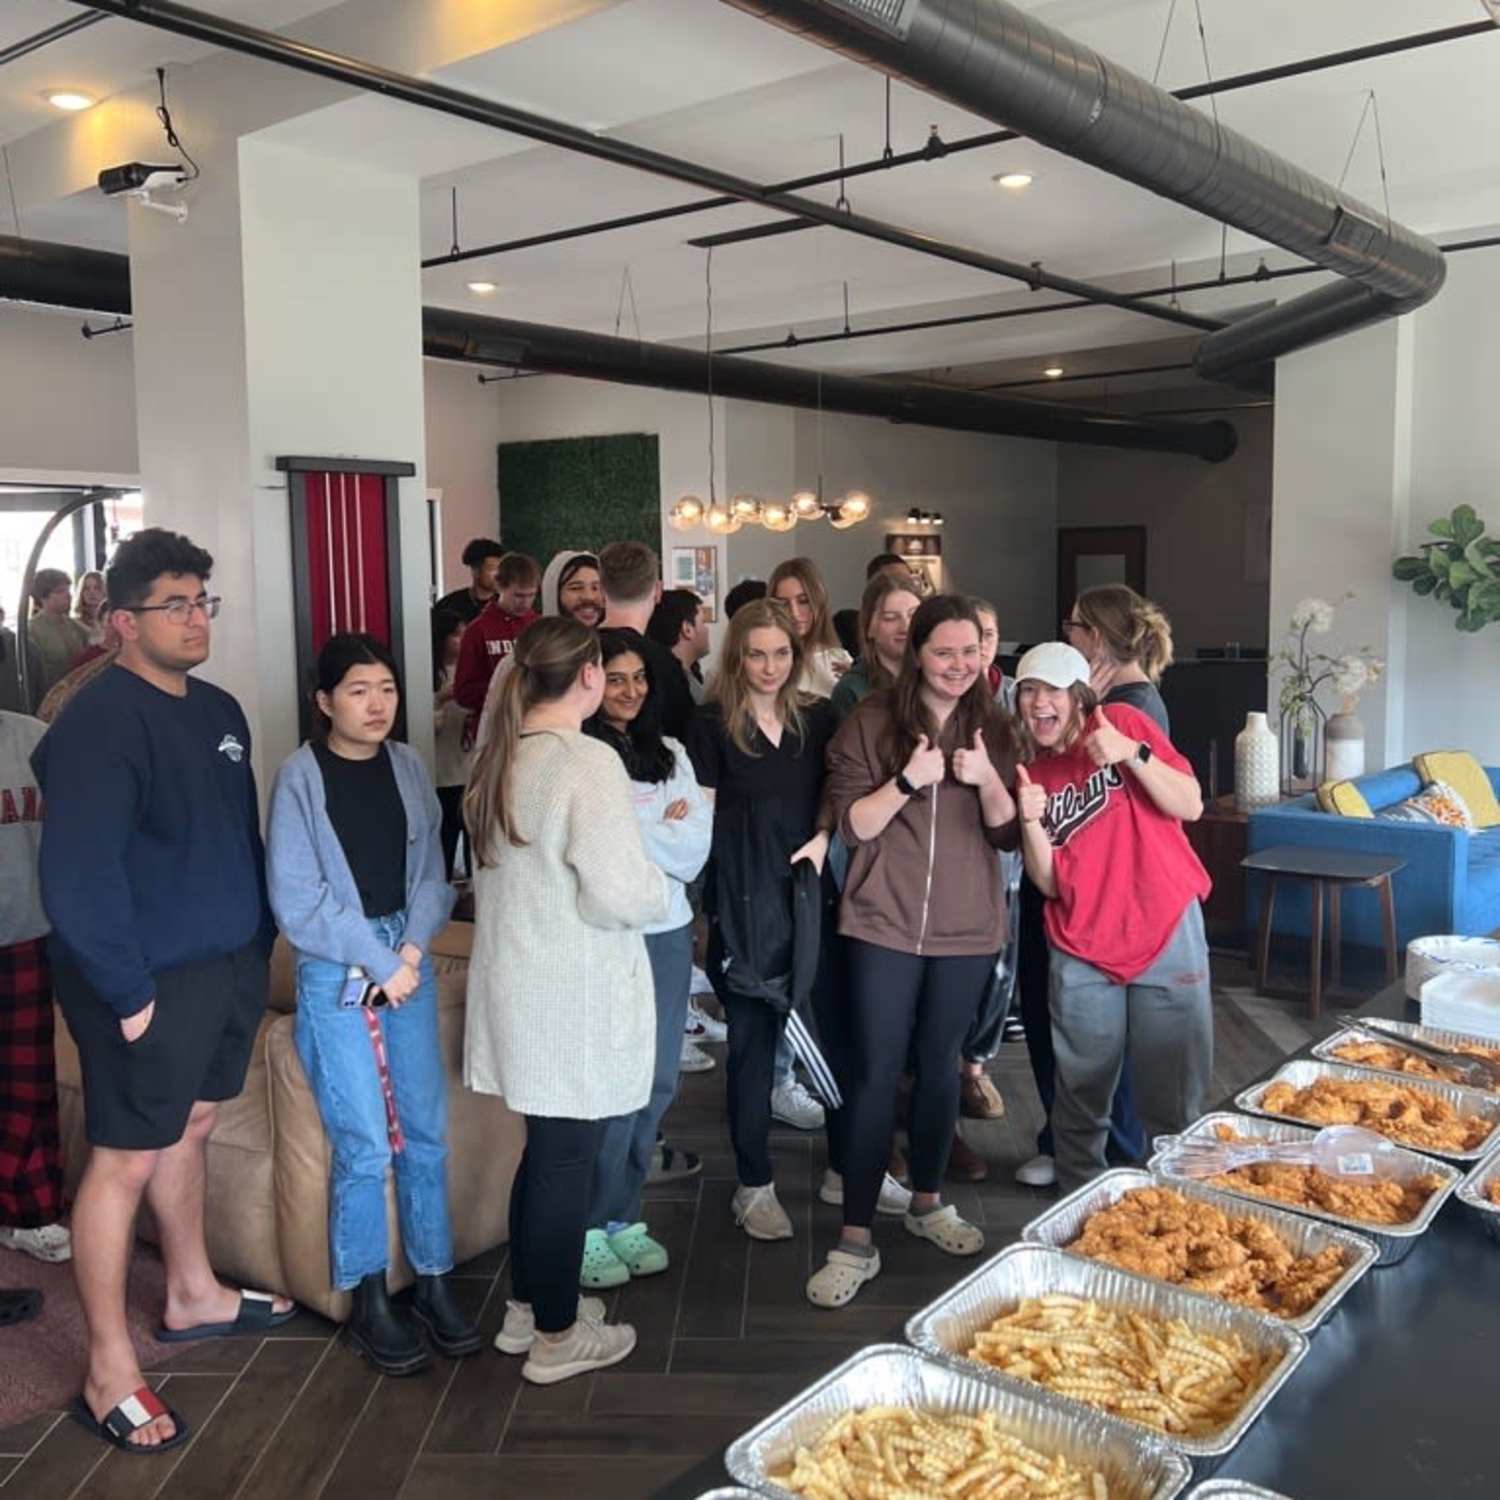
(1436, 803)
(1467, 777)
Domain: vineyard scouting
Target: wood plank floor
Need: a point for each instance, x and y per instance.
(725, 1336)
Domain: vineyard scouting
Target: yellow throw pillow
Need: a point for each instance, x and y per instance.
(1459, 769)
(1343, 799)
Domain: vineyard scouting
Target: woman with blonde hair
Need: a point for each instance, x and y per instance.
(798, 587)
(758, 750)
(89, 606)
(562, 1015)
(1127, 642)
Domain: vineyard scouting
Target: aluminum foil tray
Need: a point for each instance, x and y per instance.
(1303, 1072)
(1232, 1489)
(1135, 1466)
(1397, 1030)
(730, 1492)
(1471, 1194)
(947, 1327)
(1394, 1241)
(1064, 1221)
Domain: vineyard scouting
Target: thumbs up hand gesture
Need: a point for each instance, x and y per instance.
(1104, 744)
(926, 764)
(972, 764)
(1031, 800)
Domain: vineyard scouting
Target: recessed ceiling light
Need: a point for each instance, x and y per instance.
(69, 100)
(1053, 372)
(1015, 181)
(481, 288)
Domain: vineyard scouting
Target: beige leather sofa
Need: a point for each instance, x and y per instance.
(267, 1220)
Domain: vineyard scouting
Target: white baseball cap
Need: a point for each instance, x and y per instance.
(1056, 663)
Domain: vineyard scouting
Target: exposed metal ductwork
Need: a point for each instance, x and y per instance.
(996, 61)
(97, 281)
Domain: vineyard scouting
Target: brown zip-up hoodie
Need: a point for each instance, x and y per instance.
(930, 883)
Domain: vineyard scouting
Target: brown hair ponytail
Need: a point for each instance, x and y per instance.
(1133, 630)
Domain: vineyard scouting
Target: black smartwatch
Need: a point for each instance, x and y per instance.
(904, 786)
(1142, 753)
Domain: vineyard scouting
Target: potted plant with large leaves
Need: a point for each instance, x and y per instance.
(1461, 567)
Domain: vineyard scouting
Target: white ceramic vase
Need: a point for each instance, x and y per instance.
(1257, 765)
(1344, 748)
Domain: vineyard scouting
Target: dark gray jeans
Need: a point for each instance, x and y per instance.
(1162, 1021)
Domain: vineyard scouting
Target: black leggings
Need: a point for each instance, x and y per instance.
(549, 1209)
(451, 800)
(903, 1004)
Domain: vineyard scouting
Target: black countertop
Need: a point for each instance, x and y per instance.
(1396, 1398)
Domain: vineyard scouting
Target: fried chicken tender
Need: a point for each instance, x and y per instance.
(1170, 1237)
(1379, 1201)
(1408, 1116)
(1492, 1191)
(1398, 1060)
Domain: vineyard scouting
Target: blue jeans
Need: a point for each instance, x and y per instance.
(338, 1056)
(629, 1140)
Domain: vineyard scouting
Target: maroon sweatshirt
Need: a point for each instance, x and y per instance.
(486, 642)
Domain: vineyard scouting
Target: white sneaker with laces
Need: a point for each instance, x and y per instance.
(1040, 1171)
(694, 1060)
(51, 1242)
(758, 1213)
(518, 1332)
(587, 1346)
(702, 1027)
(894, 1199)
(700, 984)
(794, 1106)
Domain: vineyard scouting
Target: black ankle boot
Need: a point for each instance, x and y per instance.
(382, 1334)
(450, 1331)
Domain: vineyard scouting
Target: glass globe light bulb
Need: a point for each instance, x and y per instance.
(778, 517)
(855, 505)
(806, 505)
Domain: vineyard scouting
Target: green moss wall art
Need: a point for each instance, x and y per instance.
(580, 493)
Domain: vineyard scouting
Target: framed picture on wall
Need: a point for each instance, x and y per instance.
(697, 568)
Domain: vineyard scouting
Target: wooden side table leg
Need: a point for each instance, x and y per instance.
(1315, 956)
(1263, 943)
(1388, 917)
(1335, 934)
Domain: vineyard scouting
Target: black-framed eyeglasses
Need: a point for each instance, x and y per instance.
(1071, 624)
(180, 611)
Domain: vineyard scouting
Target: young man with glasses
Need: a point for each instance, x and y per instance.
(153, 876)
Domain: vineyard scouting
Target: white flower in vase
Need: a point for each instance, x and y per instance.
(1314, 616)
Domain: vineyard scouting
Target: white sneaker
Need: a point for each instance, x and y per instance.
(702, 1027)
(588, 1346)
(758, 1213)
(1040, 1171)
(51, 1243)
(894, 1199)
(794, 1106)
(694, 1060)
(700, 984)
(518, 1332)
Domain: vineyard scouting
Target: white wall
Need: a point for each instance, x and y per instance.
(463, 432)
(1195, 519)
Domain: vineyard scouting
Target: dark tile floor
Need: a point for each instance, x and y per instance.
(725, 1336)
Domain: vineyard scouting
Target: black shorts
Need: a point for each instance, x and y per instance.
(137, 1095)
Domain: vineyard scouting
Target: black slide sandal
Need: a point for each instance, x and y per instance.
(19, 1306)
(139, 1409)
(257, 1314)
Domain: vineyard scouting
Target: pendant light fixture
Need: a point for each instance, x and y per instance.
(690, 511)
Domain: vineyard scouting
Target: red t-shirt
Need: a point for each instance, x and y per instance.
(1125, 870)
(486, 642)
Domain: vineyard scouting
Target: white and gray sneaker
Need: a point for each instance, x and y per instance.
(518, 1331)
(794, 1106)
(894, 1199)
(694, 1060)
(587, 1346)
(702, 1027)
(51, 1242)
(758, 1213)
(1040, 1171)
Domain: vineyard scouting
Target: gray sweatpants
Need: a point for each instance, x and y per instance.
(1162, 1020)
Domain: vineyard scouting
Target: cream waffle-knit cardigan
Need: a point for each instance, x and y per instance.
(561, 1011)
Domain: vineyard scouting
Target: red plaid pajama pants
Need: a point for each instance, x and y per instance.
(30, 1146)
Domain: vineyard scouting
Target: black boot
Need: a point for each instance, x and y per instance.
(382, 1334)
(450, 1331)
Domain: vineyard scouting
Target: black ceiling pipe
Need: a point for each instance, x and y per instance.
(97, 281)
(26, 45)
(270, 46)
(999, 62)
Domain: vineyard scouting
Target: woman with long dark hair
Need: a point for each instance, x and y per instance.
(561, 1018)
(758, 749)
(449, 720)
(676, 825)
(917, 780)
(353, 864)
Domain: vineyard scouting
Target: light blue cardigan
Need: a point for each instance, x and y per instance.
(311, 886)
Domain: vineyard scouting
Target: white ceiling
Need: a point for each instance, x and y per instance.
(701, 80)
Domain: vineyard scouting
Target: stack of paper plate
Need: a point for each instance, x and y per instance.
(1427, 957)
(1463, 1001)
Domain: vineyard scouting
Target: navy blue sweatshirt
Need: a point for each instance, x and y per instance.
(151, 849)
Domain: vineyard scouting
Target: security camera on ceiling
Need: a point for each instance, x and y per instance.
(137, 179)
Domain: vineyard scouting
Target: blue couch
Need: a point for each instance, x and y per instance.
(1451, 882)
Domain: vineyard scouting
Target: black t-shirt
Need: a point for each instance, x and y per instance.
(364, 805)
(674, 696)
(765, 804)
(463, 603)
(1144, 696)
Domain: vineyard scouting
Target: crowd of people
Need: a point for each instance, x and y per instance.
(853, 830)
